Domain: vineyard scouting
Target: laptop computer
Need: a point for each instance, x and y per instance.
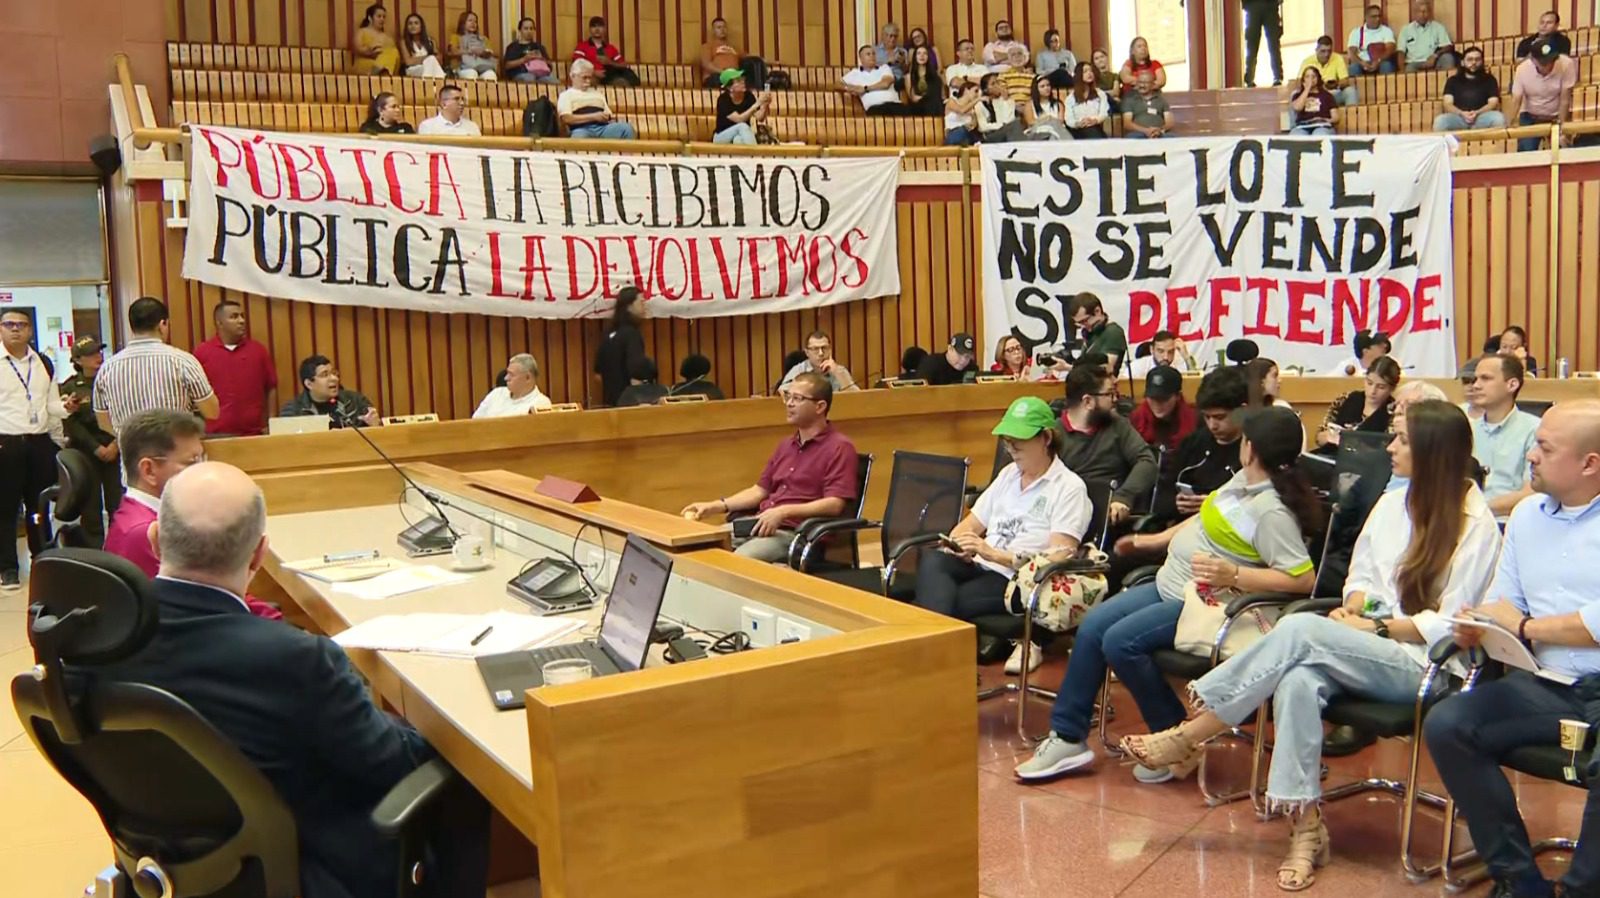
(630, 618)
(298, 424)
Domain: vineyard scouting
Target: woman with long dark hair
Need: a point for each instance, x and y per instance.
(1261, 373)
(1045, 115)
(924, 84)
(1370, 409)
(1087, 106)
(418, 56)
(621, 346)
(918, 37)
(375, 50)
(1249, 535)
(1427, 552)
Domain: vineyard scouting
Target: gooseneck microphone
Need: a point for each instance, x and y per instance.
(432, 535)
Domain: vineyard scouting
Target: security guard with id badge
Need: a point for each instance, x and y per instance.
(85, 435)
(30, 403)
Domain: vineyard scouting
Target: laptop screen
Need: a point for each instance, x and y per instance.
(636, 595)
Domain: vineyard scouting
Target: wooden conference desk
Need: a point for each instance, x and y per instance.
(841, 765)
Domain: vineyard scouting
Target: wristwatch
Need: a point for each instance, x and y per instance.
(1380, 628)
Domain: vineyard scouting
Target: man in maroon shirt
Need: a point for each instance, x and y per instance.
(811, 475)
(240, 370)
(609, 68)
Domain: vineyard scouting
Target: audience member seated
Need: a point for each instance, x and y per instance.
(322, 394)
(960, 122)
(643, 388)
(739, 110)
(583, 108)
(452, 118)
(1312, 108)
(609, 66)
(951, 366)
(1164, 419)
(289, 700)
(468, 52)
(1371, 46)
(375, 51)
(891, 52)
(1100, 446)
(1139, 61)
(918, 37)
(997, 114)
(526, 59)
(1550, 602)
(718, 54)
(1369, 346)
(1145, 113)
(1106, 78)
(966, 69)
(1165, 349)
(1471, 97)
(1549, 31)
(1251, 539)
(1209, 456)
(910, 361)
(520, 395)
(418, 58)
(383, 116)
(1424, 43)
(1011, 357)
(1018, 76)
(997, 53)
(925, 91)
(1369, 410)
(1514, 341)
(873, 84)
(1405, 396)
(1056, 62)
(1502, 434)
(1100, 333)
(1335, 73)
(1088, 107)
(810, 475)
(1044, 114)
(1035, 506)
(1542, 86)
(819, 359)
(155, 446)
(1423, 557)
(696, 374)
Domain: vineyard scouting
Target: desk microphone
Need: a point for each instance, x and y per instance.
(433, 535)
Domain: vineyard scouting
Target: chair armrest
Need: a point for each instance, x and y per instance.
(1447, 649)
(1241, 604)
(1138, 575)
(1146, 523)
(907, 544)
(1315, 605)
(412, 796)
(813, 530)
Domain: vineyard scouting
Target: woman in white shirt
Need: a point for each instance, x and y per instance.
(1045, 115)
(960, 125)
(1035, 506)
(1425, 554)
(1087, 106)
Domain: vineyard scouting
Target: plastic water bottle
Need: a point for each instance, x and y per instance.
(1563, 368)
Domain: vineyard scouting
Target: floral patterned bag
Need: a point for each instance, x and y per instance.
(1064, 600)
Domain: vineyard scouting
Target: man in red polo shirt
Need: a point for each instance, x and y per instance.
(811, 475)
(240, 371)
(609, 67)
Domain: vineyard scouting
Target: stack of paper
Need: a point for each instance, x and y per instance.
(401, 581)
(344, 571)
(454, 634)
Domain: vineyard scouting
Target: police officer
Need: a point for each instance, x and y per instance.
(85, 435)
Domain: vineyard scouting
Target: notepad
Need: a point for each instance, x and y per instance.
(1504, 646)
(344, 571)
(453, 634)
(402, 580)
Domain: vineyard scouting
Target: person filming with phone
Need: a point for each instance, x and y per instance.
(1034, 506)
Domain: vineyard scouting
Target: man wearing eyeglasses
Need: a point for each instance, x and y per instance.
(452, 118)
(1100, 445)
(811, 475)
(324, 394)
(30, 404)
(819, 358)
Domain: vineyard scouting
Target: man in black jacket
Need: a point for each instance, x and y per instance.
(289, 700)
(1207, 458)
(1101, 445)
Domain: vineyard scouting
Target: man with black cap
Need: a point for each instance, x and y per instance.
(951, 366)
(1542, 87)
(1164, 418)
(85, 434)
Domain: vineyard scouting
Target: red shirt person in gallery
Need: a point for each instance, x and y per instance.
(810, 475)
(240, 370)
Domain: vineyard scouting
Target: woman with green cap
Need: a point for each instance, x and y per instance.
(738, 110)
(1034, 506)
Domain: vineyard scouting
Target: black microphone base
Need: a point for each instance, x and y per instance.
(429, 536)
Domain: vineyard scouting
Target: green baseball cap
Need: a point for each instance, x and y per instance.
(729, 76)
(1025, 418)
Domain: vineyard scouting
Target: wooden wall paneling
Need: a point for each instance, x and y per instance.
(1584, 288)
(1499, 263)
(1567, 342)
(1478, 285)
(1538, 277)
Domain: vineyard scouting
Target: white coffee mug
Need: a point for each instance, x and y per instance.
(470, 553)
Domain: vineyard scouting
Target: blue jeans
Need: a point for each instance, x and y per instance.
(1121, 633)
(1306, 660)
(1529, 144)
(527, 77)
(1454, 121)
(608, 131)
(738, 132)
(1385, 66)
(1318, 130)
(960, 137)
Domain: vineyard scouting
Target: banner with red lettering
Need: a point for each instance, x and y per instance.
(352, 221)
(1296, 243)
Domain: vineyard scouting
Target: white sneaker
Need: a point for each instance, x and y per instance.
(1014, 663)
(1150, 776)
(1053, 757)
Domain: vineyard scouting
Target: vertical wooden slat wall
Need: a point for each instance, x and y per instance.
(1471, 19)
(950, 20)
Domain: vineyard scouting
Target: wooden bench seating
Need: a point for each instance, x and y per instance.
(1503, 49)
(1379, 89)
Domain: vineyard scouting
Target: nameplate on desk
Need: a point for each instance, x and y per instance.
(996, 378)
(559, 407)
(897, 383)
(566, 490)
(687, 397)
(429, 418)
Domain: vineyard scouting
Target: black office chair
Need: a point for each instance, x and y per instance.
(832, 543)
(1546, 762)
(187, 814)
(1535, 407)
(790, 359)
(925, 500)
(1241, 351)
(63, 503)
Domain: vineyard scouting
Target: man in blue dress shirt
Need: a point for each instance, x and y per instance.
(1547, 589)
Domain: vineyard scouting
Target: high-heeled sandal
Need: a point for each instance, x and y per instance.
(1309, 850)
(1169, 748)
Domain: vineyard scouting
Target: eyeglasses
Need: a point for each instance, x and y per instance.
(793, 398)
(14, 325)
(1110, 393)
(180, 462)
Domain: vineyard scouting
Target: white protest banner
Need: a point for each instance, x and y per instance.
(1295, 243)
(538, 235)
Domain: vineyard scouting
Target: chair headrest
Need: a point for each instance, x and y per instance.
(124, 606)
(76, 478)
(1241, 351)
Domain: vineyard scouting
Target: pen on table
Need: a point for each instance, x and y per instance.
(479, 638)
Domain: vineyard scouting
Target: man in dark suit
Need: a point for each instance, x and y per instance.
(289, 700)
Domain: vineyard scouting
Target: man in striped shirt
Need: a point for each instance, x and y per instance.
(148, 374)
